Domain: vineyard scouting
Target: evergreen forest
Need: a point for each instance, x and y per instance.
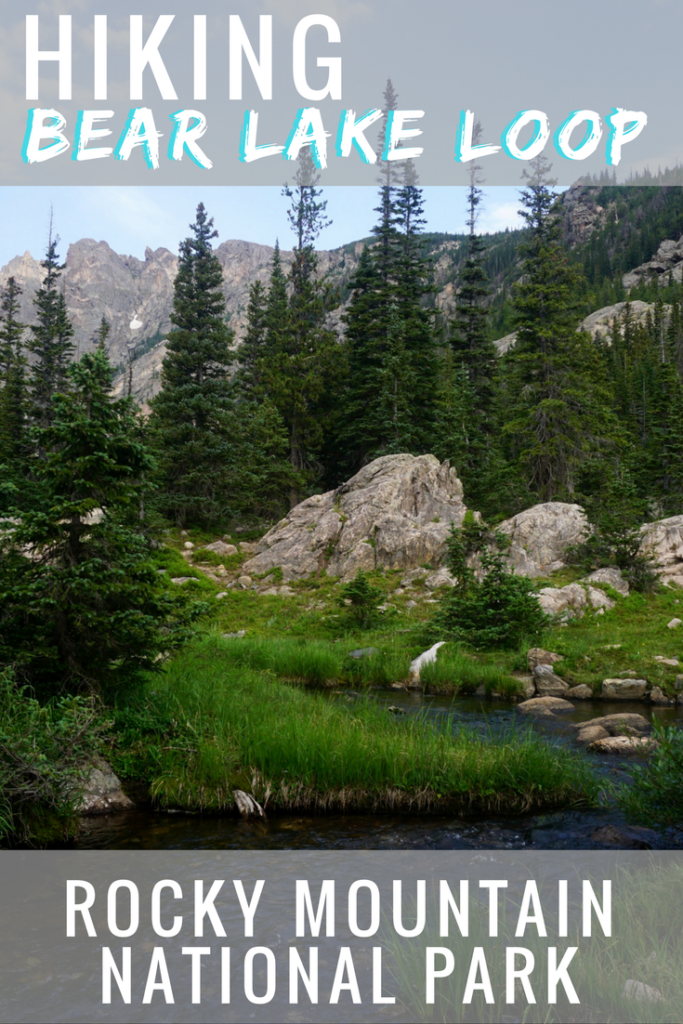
(324, 381)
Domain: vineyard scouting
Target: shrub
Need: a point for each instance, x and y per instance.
(45, 755)
(656, 795)
(614, 538)
(364, 599)
(490, 607)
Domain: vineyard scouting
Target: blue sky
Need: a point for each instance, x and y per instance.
(131, 218)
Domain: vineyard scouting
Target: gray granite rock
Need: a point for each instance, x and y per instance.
(395, 513)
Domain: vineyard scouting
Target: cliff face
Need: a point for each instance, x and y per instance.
(581, 213)
(99, 282)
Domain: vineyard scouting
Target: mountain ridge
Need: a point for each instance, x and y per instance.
(607, 229)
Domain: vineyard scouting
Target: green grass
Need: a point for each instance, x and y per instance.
(646, 946)
(294, 660)
(238, 727)
(456, 672)
(211, 558)
(312, 613)
(638, 624)
(391, 664)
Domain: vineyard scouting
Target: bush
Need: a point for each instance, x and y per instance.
(490, 607)
(45, 756)
(614, 538)
(656, 795)
(364, 599)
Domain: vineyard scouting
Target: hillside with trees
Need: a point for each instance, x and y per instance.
(386, 350)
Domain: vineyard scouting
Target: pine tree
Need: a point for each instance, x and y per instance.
(414, 284)
(191, 416)
(307, 218)
(277, 305)
(452, 404)
(103, 332)
(469, 338)
(300, 365)
(389, 398)
(675, 334)
(266, 477)
(388, 171)
(561, 423)
(51, 344)
(14, 443)
(649, 394)
(363, 429)
(481, 464)
(251, 352)
(85, 608)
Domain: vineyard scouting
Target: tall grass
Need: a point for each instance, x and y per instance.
(299, 750)
(380, 669)
(646, 945)
(313, 662)
(455, 672)
(317, 662)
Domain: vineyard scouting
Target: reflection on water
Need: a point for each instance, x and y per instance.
(570, 829)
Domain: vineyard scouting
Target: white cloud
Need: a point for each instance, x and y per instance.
(497, 216)
(343, 12)
(129, 212)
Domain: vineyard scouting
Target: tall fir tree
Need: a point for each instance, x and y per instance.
(649, 398)
(414, 286)
(480, 462)
(267, 477)
(300, 344)
(87, 608)
(50, 344)
(469, 337)
(190, 422)
(389, 174)
(389, 397)
(307, 216)
(561, 425)
(14, 443)
(452, 404)
(675, 334)
(250, 354)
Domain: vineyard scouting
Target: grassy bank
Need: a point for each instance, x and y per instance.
(626, 639)
(208, 726)
(646, 946)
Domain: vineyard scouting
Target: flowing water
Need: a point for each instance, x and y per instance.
(569, 829)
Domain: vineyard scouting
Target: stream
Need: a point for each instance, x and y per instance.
(145, 828)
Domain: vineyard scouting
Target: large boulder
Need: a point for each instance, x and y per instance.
(548, 684)
(624, 689)
(612, 577)
(395, 513)
(625, 746)
(572, 601)
(538, 656)
(101, 792)
(540, 536)
(545, 706)
(662, 541)
(623, 723)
